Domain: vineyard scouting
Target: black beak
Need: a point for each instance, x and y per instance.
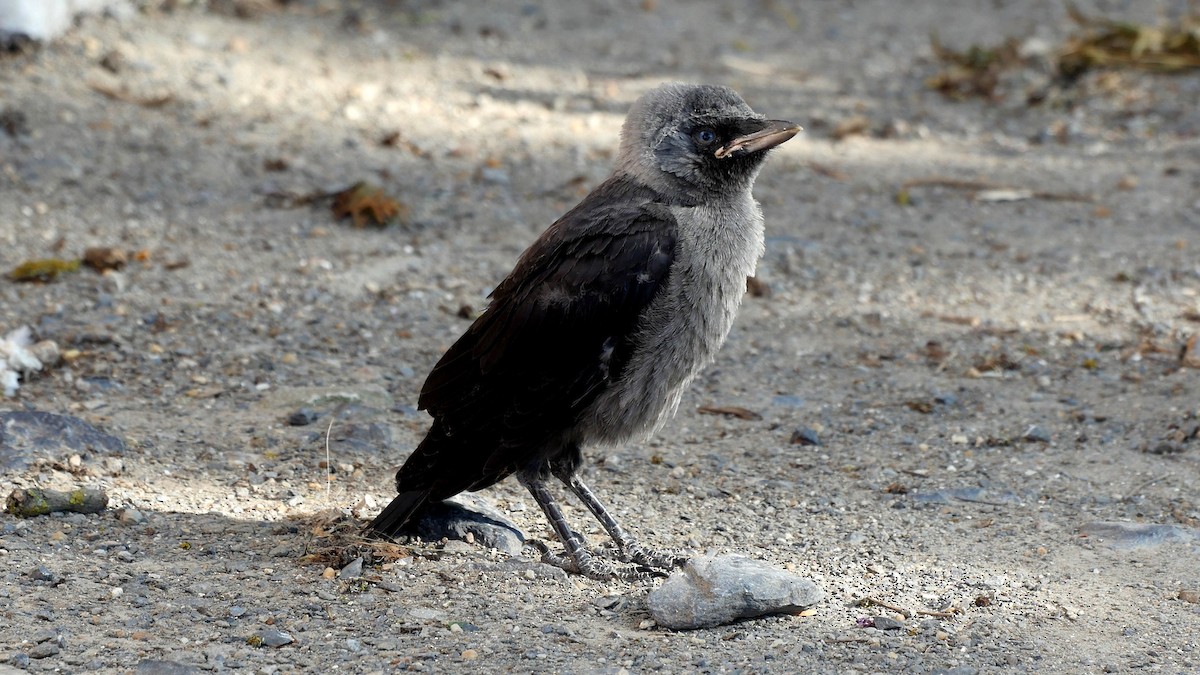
(776, 132)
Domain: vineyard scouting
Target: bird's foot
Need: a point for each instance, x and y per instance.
(637, 554)
(655, 559)
(593, 566)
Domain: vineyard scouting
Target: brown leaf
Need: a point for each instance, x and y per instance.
(730, 410)
(829, 171)
(1189, 356)
(851, 126)
(935, 352)
(757, 288)
(1105, 43)
(101, 258)
(363, 201)
(923, 407)
(1000, 361)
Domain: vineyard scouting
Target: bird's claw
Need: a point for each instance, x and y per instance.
(664, 561)
(595, 566)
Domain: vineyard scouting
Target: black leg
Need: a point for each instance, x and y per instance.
(629, 549)
(580, 559)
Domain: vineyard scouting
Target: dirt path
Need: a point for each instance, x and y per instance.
(992, 383)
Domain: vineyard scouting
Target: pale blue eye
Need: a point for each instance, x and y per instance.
(706, 136)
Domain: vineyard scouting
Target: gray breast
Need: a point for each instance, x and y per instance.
(686, 324)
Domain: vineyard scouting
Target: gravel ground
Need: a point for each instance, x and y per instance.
(992, 385)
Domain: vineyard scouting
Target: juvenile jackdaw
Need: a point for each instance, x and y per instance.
(604, 321)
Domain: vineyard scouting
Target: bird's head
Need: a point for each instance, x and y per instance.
(702, 140)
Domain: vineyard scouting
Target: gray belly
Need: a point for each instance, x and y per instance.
(683, 329)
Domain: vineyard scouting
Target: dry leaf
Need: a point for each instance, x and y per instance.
(923, 407)
(47, 269)
(757, 288)
(1189, 356)
(101, 258)
(974, 72)
(730, 410)
(1105, 43)
(851, 126)
(363, 201)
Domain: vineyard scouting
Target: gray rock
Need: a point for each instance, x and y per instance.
(1036, 434)
(43, 573)
(131, 516)
(715, 590)
(161, 667)
(275, 638)
(353, 570)
(805, 436)
(467, 514)
(26, 435)
(303, 417)
(887, 623)
(1130, 536)
(43, 650)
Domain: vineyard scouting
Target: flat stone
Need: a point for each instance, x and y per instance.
(1036, 434)
(805, 436)
(44, 650)
(468, 514)
(26, 435)
(353, 570)
(716, 590)
(303, 417)
(275, 638)
(1130, 536)
(161, 667)
(887, 623)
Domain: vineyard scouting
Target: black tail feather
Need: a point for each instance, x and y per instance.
(395, 516)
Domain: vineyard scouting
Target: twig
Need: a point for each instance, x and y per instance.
(32, 502)
(980, 186)
(328, 465)
(955, 183)
(868, 601)
(126, 97)
(941, 614)
(729, 410)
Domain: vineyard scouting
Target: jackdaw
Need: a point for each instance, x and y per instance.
(604, 321)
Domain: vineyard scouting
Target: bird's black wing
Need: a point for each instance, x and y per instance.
(557, 331)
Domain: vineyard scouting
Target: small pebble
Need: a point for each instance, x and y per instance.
(805, 436)
(469, 655)
(42, 573)
(130, 516)
(303, 417)
(1036, 434)
(43, 650)
(353, 570)
(887, 623)
(275, 638)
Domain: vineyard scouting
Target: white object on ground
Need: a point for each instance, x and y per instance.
(45, 19)
(15, 357)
